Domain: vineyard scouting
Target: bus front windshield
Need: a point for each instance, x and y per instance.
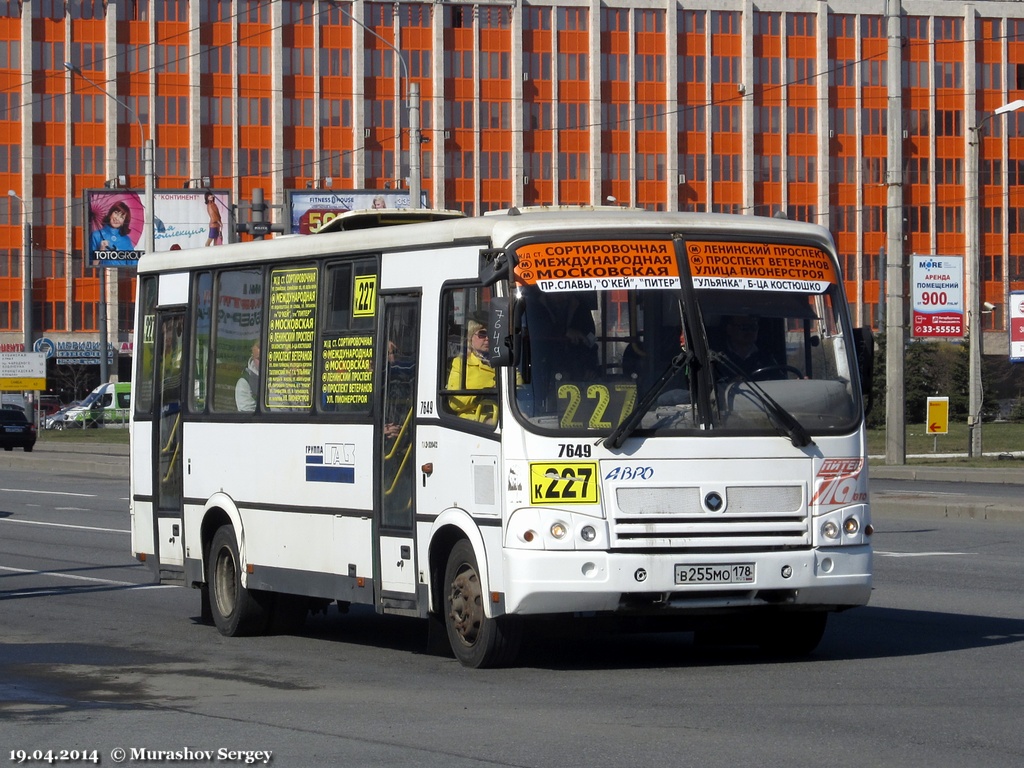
(738, 362)
(587, 357)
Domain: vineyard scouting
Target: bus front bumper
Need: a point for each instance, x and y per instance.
(539, 582)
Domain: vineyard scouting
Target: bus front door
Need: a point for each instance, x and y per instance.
(167, 436)
(397, 429)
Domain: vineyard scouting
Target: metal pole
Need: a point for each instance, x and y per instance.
(27, 296)
(104, 333)
(413, 104)
(148, 229)
(976, 390)
(149, 233)
(972, 266)
(414, 145)
(895, 328)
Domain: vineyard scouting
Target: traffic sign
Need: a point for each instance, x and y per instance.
(938, 415)
(22, 371)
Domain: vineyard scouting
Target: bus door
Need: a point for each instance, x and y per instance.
(167, 434)
(396, 427)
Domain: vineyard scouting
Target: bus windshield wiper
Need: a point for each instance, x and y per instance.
(778, 415)
(626, 427)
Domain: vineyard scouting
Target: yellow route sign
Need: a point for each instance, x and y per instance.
(938, 415)
(21, 371)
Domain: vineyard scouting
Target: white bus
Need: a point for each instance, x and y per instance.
(537, 412)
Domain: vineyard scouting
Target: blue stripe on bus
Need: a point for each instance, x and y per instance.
(318, 473)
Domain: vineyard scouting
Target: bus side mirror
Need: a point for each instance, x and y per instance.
(495, 265)
(499, 326)
(864, 348)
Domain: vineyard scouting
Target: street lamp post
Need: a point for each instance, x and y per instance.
(975, 396)
(26, 270)
(413, 105)
(148, 232)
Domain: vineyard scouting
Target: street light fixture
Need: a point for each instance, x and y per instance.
(148, 237)
(26, 270)
(975, 397)
(412, 91)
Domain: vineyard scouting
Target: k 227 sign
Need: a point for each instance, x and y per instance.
(937, 287)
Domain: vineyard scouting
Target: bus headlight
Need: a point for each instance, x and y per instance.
(558, 530)
(830, 530)
(851, 526)
(587, 533)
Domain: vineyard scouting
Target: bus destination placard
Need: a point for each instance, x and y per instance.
(292, 318)
(723, 265)
(598, 265)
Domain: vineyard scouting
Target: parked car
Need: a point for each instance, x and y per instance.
(16, 431)
(57, 420)
(49, 405)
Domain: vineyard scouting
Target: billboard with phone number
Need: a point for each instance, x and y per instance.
(938, 296)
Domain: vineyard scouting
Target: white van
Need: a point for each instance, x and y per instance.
(106, 406)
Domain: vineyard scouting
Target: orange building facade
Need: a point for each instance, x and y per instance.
(812, 110)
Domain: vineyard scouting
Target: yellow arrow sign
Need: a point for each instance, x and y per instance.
(938, 415)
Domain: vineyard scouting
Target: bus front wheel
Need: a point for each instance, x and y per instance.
(476, 640)
(236, 610)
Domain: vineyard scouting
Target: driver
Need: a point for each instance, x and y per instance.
(741, 345)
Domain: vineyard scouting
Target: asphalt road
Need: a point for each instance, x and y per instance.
(929, 674)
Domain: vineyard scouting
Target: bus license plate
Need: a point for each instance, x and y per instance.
(717, 573)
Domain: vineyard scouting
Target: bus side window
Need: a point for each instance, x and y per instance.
(469, 383)
(237, 340)
(202, 301)
(346, 342)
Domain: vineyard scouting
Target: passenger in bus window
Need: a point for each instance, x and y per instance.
(741, 346)
(563, 330)
(248, 386)
(478, 375)
(398, 408)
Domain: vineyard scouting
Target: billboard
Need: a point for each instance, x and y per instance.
(182, 219)
(310, 210)
(1016, 318)
(937, 288)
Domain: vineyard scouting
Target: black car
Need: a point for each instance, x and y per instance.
(16, 431)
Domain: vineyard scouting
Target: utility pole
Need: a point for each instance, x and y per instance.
(895, 329)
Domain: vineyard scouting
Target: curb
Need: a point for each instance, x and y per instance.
(892, 505)
(99, 460)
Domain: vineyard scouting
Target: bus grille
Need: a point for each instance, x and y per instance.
(762, 518)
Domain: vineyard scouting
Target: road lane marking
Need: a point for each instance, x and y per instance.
(66, 525)
(66, 590)
(921, 554)
(61, 575)
(48, 493)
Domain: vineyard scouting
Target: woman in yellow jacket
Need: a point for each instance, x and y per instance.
(478, 375)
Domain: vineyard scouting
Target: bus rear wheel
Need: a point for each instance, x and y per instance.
(236, 610)
(476, 640)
